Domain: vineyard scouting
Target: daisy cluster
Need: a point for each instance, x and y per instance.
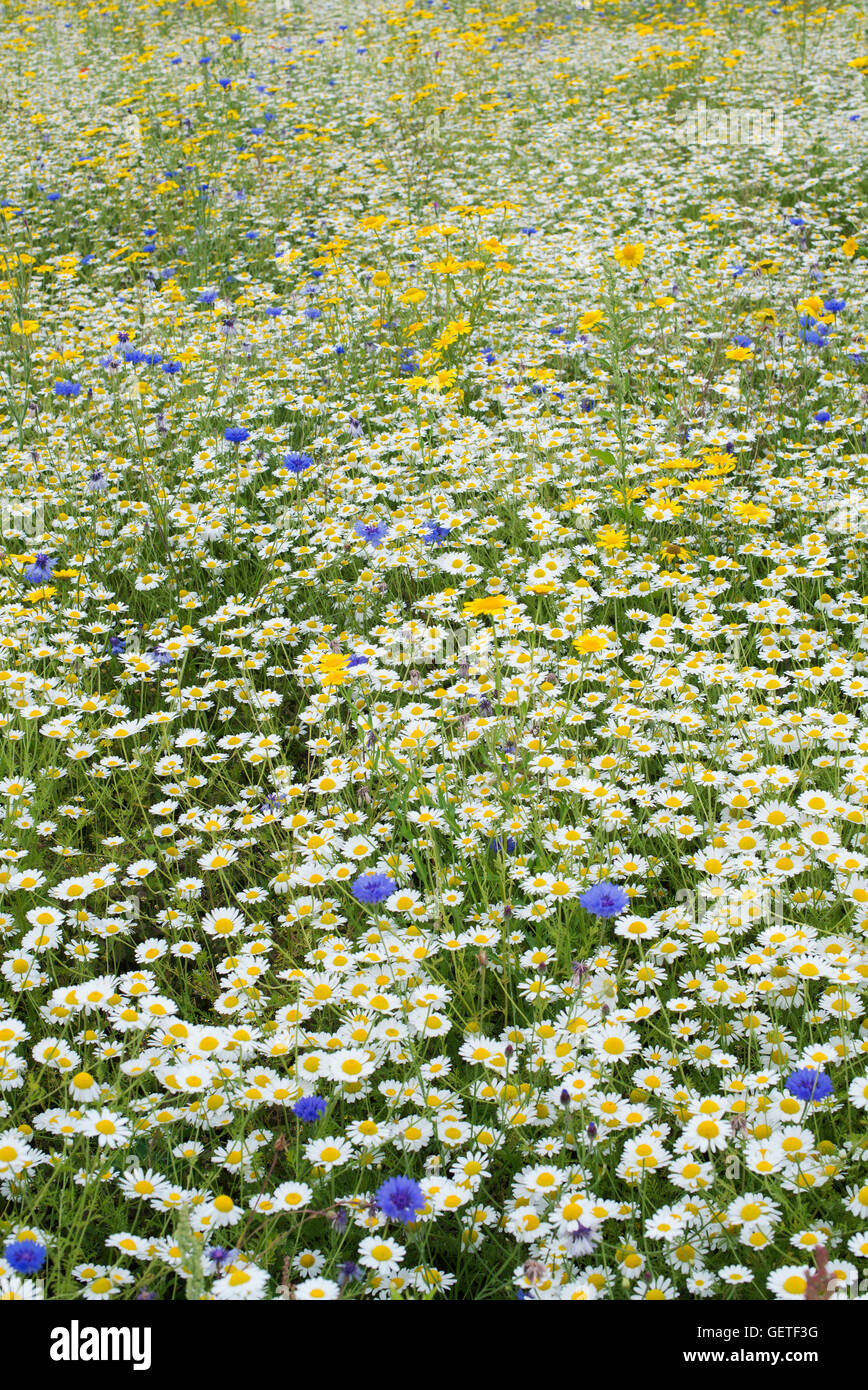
(434, 779)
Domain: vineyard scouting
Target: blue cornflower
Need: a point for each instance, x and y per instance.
(509, 845)
(207, 296)
(581, 1239)
(118, 645)
(236, 434)
(312, 314)
(97, 481)
(741, 341)
(52, 197)
(297, 463)
(219, 1255)
(273, 312)
(373, 888)
(822, 417)
(604, 900)
(40, 571)
(435, 534)
(834, 306)
(171, 368)
(807, 1084)
(357, 661)
(796, 221)
(67, 388)
(309, 1109)
(26, 1256)
(400, 1199)
(374, 535)
(225, 82)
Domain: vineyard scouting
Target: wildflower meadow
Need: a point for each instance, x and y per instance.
(433, 611)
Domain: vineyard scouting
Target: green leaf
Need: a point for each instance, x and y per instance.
(605, 457)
